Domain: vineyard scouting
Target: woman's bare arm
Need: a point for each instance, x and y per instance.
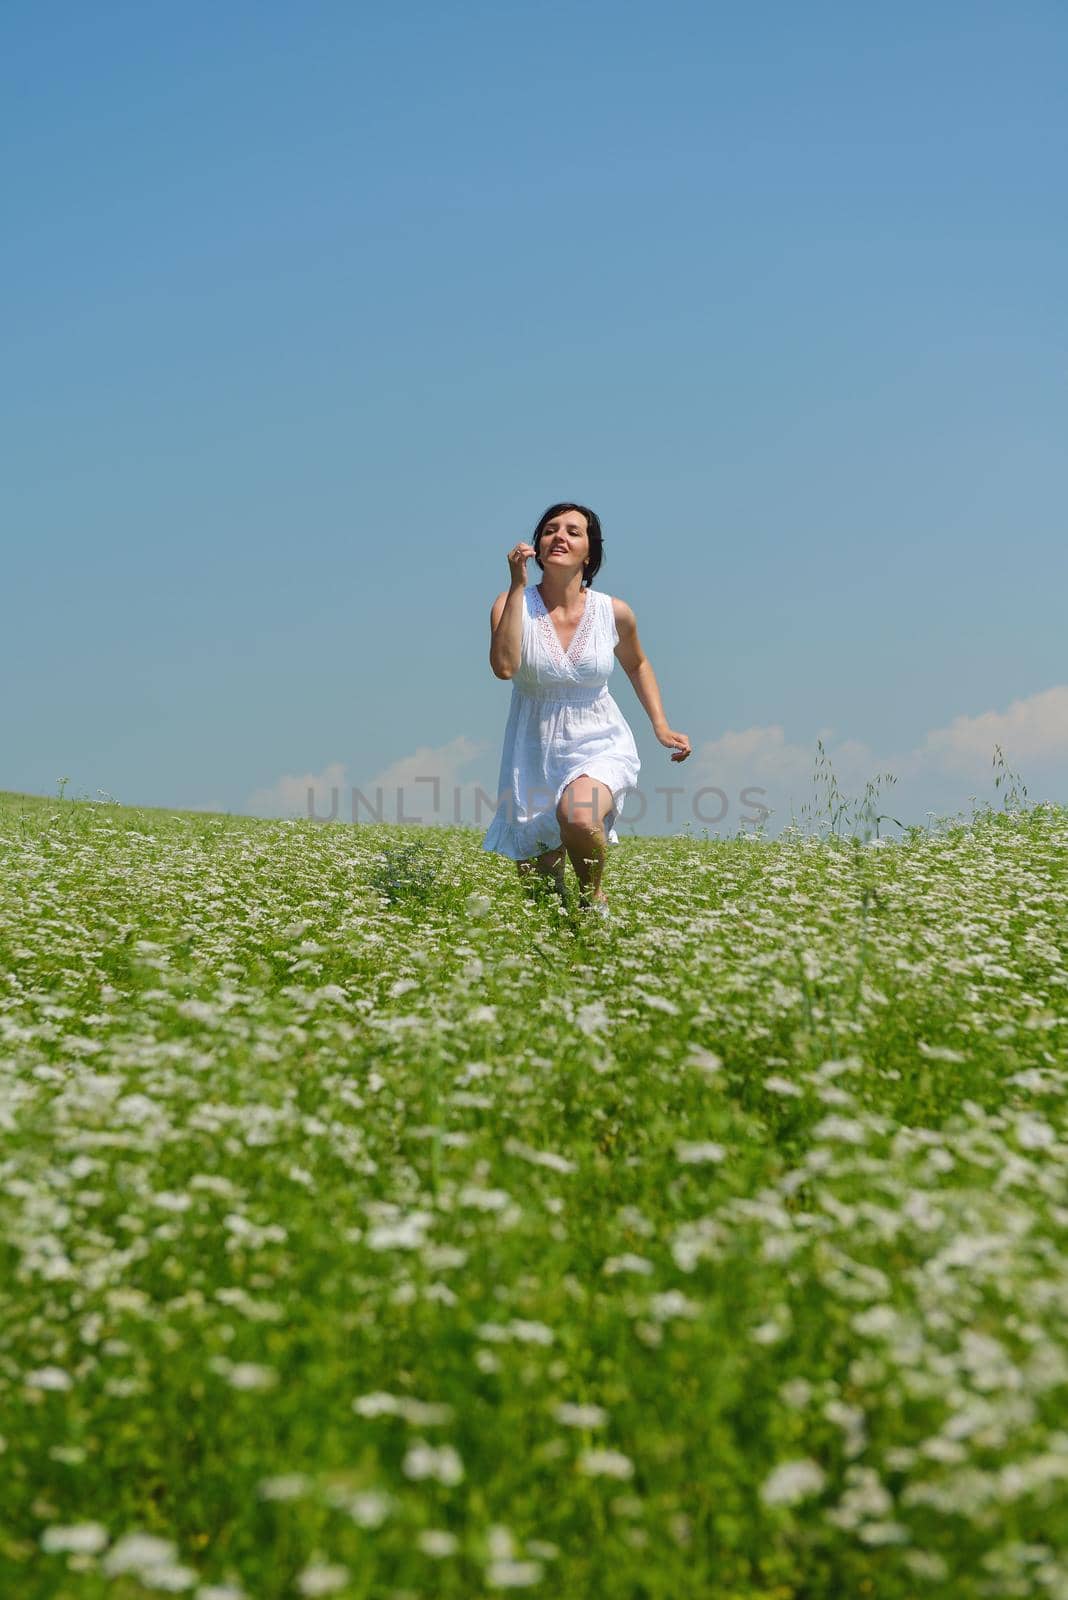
(639, 669)
(506, 632)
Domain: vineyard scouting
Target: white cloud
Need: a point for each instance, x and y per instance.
(428, 781)
(1032, 729)
(759, 767)
(288, 797)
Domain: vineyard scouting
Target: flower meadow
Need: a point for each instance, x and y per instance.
(376, 1226)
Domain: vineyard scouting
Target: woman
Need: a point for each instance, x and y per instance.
(569, 756)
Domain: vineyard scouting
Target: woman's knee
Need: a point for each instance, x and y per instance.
(583, 807)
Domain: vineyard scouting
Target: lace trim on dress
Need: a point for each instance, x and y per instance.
(574, 650)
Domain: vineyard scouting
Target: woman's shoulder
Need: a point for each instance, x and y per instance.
(499, 603)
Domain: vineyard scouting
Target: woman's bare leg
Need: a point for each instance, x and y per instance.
(550, 865)
(583, 807)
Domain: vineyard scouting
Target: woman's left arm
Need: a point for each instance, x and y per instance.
(639, 669)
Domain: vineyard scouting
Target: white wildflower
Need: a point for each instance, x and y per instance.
(484, 1199)
(672, 1303)
(513, 1574)
(82, 1538)
(580, 1416)
(137, 1552)
(626, 1263)
(441, 1462)
(322, 1578)
(657, 1002)
(368, 1508)
(500, 1542)
(438, 1542)
(1033, 1133)
(792, 1481)
(939, 1052)
(48, 1378)
(539, 1158)
(250, 1375)
(844, 1128)
(605, 1464)
(284, 1486)
(592, 1018)
(705, 1061)
(421, 1413)
(695, 1154)
(168, 1575)
(405, 1233)
(522, 1332)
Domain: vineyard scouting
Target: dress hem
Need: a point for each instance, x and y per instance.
(532, 836)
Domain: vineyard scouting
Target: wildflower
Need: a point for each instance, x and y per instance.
(138, 1552)
(605, 1464)
(82, 1538)
(626, 1263)
(286, 1486)
(322, 1578)
(522, 1332)
(705, 1061)
(406, 1233)
(844, 1128)
(368, 1508)
(672, 1303)
(421, 1413)
(48, 1378)
(539, 1158)
(441, 1462)
(592, 1018)
(791, 1482)
(1033, 1133)
(691, 1154)
(437, 1542)
(500, 1542)
(513, 1574)
(250, 1375)
(580, 1416)
(484, 1199)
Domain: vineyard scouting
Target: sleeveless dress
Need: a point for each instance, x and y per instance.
(562, 722)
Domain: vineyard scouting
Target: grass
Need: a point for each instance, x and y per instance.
(374, 1228)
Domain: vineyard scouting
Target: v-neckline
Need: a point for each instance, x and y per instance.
(565, 654)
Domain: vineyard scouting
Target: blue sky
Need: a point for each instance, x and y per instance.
(310, 312)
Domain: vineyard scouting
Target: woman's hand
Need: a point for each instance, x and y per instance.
(518, 557)
(679, 743)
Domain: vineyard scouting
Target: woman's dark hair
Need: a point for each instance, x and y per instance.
(593, 528)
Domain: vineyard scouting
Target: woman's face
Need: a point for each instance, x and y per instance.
(564, 542)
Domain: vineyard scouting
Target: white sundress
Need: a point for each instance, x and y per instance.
(562, 722)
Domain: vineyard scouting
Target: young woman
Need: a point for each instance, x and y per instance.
(569, 755)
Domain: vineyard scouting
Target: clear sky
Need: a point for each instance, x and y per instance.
(310, 311)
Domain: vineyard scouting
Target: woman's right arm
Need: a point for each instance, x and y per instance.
(506, 632)
(506, 615)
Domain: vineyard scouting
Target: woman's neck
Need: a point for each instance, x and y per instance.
(565, 598)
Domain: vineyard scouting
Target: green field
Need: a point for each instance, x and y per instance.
(372, 1227)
